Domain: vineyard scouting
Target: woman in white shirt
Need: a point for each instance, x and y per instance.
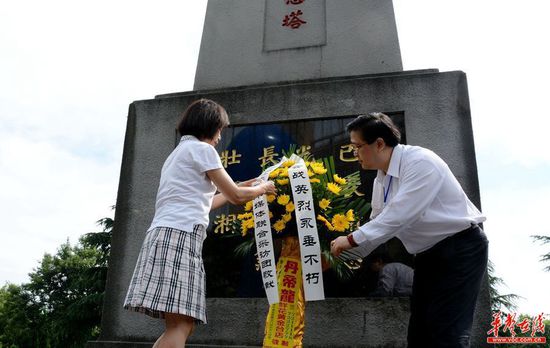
(169, 281)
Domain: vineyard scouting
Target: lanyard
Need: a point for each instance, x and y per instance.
(388, 191)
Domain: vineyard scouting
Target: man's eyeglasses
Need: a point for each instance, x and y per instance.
(356, 147)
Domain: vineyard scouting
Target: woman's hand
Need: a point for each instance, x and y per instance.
(248, 183)
(269, 188)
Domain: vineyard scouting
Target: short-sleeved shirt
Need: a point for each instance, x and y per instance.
(185, 192)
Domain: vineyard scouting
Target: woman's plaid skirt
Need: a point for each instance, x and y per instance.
(169, 275)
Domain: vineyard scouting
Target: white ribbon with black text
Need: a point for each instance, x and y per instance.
(264, 241)
(310, 249)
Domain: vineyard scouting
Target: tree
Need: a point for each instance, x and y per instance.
(61, 305)
(498, 301)
(19, 319)
(545, 257)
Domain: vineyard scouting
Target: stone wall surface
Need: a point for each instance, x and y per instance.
(437, 116)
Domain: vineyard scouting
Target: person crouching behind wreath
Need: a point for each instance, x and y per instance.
(169, 280)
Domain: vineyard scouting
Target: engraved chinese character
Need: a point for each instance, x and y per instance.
(224, 223)
(269, 284)
(303, 151)
(345, 150)
(266, 263)
(268, 273)
(268, 156)
(264, 254)
(293, 20)
(261, 223)
(229, 159)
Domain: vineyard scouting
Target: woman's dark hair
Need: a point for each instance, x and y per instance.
(376, 125)
(202, 119)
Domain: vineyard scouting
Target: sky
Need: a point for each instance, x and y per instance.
(70, 69)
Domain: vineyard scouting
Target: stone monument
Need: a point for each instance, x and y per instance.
(283, 62)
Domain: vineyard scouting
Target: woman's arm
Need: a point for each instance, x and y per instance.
(218, 201)
(235, 194)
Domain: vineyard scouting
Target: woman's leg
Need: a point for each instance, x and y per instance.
(178, 328)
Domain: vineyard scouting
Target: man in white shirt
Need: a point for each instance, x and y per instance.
(417, 199)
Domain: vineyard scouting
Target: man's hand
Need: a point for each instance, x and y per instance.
(338, 245)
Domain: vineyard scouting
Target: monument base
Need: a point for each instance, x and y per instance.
(361, 322)
(436, 113)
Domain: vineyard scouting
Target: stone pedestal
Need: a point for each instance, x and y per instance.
(437, 115)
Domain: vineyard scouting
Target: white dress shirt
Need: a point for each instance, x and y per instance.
(185, 193)
(424, 203)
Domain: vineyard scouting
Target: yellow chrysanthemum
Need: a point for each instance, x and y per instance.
(322, 218)
(310, 173)
(283, 199)
(334, 188)
(282, 181)
(314, 181)
(249, 223)
(329, 226)
(318, 168)
(287, 217)
(283, 172)
(324, 203)
(279, 225)
(244, 230)
(350, 216)
(339, 180)
(248, 206)
(274, 174)
(270, 198)
(270, 215)
(244, 216)
(340, 222)
(289, 163)
(289, 207)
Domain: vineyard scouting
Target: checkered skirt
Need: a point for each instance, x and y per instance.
(169, 275)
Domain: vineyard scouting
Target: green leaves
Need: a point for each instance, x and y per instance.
(61, 305)
(545, 257)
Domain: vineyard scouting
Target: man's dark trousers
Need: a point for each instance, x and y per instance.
(447, 280)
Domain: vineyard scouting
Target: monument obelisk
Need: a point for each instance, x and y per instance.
(281, 61)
